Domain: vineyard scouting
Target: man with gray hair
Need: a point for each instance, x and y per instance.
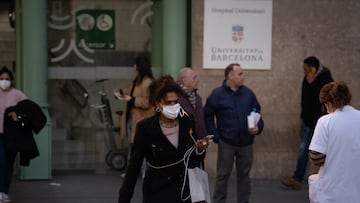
(190, 101)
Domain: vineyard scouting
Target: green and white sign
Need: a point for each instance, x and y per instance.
(95, 29)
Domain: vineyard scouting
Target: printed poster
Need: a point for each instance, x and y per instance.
(237, 31)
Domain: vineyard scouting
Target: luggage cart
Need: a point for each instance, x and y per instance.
(116, 157)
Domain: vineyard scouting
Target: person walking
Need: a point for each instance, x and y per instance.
(170, 145)
(315, 77)
(335, 147)
(230, 104)
(9, 97)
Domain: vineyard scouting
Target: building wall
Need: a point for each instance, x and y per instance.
(7, 37)
(326, 29)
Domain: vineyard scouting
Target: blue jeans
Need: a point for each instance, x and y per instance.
(2, 163)
(303, 154)
(243, 157)
(7, 160)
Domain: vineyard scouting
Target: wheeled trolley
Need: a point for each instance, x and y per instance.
(116, 157)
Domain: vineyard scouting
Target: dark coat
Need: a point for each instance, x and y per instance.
(19, 134)
(160, 185)
(311, 108)
(197, 112)
(230, 109)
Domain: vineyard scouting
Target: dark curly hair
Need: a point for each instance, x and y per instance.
(160, 87)
(335, 93)
(5, 69)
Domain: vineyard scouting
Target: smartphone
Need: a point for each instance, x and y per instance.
(208, 138)
(119, 95)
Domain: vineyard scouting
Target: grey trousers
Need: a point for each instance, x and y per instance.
(243, 159)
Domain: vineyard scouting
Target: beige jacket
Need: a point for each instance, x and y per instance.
(142, 107)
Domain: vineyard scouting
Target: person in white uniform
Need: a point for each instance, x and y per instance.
(335, 147)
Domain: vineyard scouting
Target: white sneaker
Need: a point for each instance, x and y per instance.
(4, 198)
(1, 197)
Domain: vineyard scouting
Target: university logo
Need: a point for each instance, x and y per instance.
(237, 33)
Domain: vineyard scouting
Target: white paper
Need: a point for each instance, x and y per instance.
(253, 119)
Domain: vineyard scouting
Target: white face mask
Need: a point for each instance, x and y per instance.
(172, 111)
(5, 84)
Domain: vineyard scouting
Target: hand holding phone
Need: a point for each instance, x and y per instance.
(122, 97)
(205, 141)
(119, 94)
(208, 138)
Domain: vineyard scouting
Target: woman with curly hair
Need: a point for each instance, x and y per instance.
(169, 143)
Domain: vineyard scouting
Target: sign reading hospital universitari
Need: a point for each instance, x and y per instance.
(237, 31)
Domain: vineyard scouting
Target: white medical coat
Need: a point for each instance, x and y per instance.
(338, 136)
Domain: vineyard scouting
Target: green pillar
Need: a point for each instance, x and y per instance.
(31, 39)
(18, 33)
(174, 36)
(156, 36)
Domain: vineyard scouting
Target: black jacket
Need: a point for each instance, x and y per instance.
(311, 109)
(160, 185)
(19, 134)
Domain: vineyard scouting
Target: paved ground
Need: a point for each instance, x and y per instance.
(103, 188)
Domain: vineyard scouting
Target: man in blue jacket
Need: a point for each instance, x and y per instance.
(226, 112)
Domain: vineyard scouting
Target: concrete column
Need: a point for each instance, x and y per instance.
(31, 62)
(157, 36)
(174, 36)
